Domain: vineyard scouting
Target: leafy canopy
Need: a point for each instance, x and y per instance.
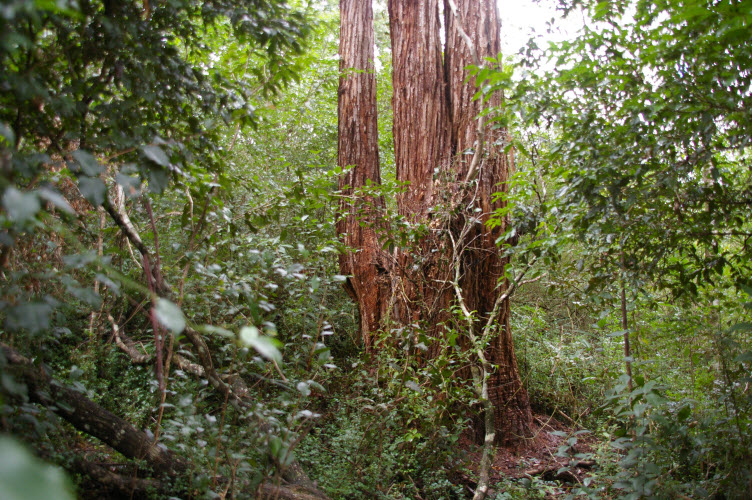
(651, 150)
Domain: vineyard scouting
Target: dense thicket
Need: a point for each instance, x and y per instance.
(174, 321)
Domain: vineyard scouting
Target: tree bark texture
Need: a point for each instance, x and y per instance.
(483, 265)
(437, 137)
(359, 152)
(419, 102)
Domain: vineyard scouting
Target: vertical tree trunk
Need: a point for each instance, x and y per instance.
(434, 126)
(421, 152)
(359, 149)
(421, 125)
(482, 263)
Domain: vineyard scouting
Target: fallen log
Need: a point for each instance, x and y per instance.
(90, 418)
(555, 473)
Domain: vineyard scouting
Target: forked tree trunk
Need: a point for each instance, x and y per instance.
(436, 137)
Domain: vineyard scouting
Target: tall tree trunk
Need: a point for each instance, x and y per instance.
(435, 124)
(422, 154)
(359, 151)
(420, 111)
(472, 29)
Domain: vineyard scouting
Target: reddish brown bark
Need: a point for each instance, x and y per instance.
(359, 151)
(482, 263)
(434, 126)
(419, 101)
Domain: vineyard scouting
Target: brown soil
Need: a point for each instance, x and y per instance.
(535, 457)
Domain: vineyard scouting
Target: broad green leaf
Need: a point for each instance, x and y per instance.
(170, 316)
(109, 283)
(264, 345)
(129, 184)
(56, 199)
(156, 154)
(411, 384)
(685, 412)
(268, 348)
(218, 331)
(88, 164)
(31, 316)
(158, 179)
(79, 260)
(93, 189)
(303, 389)
(248, 334)
(20, 206)
(25, 477)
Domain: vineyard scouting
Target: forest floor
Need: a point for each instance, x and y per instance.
(537, 457)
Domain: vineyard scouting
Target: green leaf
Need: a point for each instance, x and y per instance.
(156, 154)
(79, 260)
(741, 327)
(93, 190)
(24, 477)
(303, 389)
(216, 330)
(684, 413)
(158, 179)
(170, 316)
(109, 283)
(266, 346)
(411, 384)
(20, 206)
(129, 184)
(248, 334)
(745, 357)
(89, 165)
(31, 316)
(86, 295)
(56, 199)
(619, 333)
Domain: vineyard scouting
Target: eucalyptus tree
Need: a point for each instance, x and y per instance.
(409, 270)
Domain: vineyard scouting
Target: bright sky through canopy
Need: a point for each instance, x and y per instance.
(521, 19)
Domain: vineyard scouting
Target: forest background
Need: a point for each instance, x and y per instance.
(174, 322)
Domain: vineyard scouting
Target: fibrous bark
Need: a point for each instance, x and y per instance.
(359, 154)
(453, 162)
(483, 265)
(419, 102)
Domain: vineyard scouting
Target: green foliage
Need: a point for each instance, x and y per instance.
(23, 476)
(390, 430)
(88, 82)
(220, 131)
(633, 175)
(652, 148)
